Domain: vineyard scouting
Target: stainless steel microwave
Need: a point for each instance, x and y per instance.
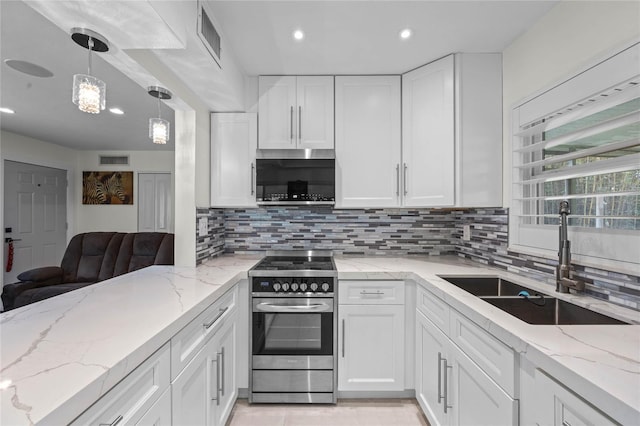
(295, 177)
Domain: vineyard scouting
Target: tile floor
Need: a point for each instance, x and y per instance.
(348, 412)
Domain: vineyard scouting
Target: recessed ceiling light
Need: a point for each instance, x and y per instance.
(298, 34)
(7, 110)
(116, 111)
(28, 68)
(405, 34)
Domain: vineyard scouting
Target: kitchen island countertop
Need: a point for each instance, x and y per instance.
(60, 355)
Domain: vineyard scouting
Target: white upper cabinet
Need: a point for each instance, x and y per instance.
(452, 132)
(295, 112)
(368, 141)
(233, 156)
(428, 135)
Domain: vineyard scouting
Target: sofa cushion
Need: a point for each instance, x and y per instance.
(142, 249)
(87, 253)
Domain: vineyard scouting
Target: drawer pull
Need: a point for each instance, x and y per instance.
(113, 423)
(372, 293)
(208, 325)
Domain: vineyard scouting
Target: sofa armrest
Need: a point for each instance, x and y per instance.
(34, 278)
(45, 275)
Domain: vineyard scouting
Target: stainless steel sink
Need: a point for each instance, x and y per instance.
(536, 309)
(548, 310)
(488, 286)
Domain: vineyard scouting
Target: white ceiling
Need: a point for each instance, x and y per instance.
(362, 37)
(43, 105)
(342, 37)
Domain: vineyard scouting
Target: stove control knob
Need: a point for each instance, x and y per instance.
(314, 286)
(303, 286)
(294, 286)
(276, 287)
(285, 286)
(325, 287)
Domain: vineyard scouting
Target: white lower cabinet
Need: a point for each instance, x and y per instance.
(128, 401)
(553, 404)
(451, 387)
(205, 391)
(160, 413)
(371, 336)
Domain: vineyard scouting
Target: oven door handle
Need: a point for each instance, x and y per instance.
(275, 307)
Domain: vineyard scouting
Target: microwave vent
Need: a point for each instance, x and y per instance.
(208, 34)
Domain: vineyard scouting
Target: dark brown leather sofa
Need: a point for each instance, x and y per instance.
(90, 258)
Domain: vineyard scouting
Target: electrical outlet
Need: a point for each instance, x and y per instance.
(202, 227)
(466, 232)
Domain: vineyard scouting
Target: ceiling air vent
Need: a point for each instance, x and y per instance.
(110, 160)
(208, 34)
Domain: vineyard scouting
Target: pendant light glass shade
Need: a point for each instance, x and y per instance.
(89, 93)
(159, 130)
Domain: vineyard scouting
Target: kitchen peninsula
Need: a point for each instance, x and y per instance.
(61, 355)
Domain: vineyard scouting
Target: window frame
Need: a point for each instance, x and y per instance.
(605, 248)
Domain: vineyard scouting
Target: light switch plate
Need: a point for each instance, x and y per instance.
(466, 232)
(202, 227)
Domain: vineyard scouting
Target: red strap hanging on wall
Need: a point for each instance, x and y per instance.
(10, 256)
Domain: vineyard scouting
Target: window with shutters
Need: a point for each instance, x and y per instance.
(586, 152)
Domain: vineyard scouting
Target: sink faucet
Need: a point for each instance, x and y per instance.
(564, 276)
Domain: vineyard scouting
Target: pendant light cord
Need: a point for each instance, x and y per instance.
(90, 47)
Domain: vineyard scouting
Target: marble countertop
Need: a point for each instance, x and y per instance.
(599, 362)
(59, 356)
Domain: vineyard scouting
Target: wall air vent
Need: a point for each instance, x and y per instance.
(208, 34)
(110, 160)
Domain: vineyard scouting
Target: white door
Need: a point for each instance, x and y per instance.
(371, 356)
(35, 208)
(431, 348)
(193, 390)
(226, 339)
(428, 144)
(154, 202)
(277, 112)
(314, 113)
(233, 159)
(367, 141)
(474, 398)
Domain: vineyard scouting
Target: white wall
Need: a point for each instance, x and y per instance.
(120, 218)
(570, 37)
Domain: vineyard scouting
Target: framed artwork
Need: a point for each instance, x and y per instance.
(107, 187)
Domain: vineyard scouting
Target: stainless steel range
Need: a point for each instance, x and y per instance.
(294, 328)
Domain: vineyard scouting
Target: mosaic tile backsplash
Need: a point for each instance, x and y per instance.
(396, 232)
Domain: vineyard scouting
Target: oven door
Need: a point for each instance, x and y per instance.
(292, 326)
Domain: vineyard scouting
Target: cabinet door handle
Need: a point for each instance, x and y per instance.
(208, 325)
(343, 332)
(113, 423)
(299, 123)
(253, 168)
(406, 191)
(291, 123)
(222, 370)
(440, 359)
(446, 386)
(397, 180)
(214, 369)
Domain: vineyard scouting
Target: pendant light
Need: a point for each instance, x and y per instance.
(88, 91)
(159, 128)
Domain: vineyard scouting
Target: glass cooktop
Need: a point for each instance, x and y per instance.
(295, 263)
